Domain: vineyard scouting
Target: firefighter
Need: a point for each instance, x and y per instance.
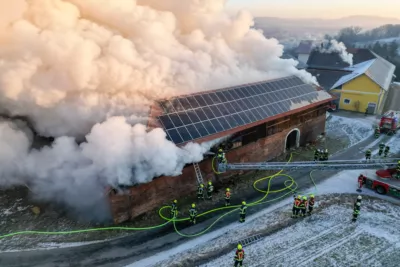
(398, 170)
(210, 189)
(356, 211)
(316, 154)
(224, 158)
(381, 148)
(302, 206)
(295, 206)
(386, 151)
(239, 256)
(311, 204)
(326, 154)
(227, 197)
(243, 209)
(321, 155)
(174, 209)
(200, 191)
(377, 132)
(193, 214)
(360, 180)
(220, 155)
(358, 200)
(368, 154)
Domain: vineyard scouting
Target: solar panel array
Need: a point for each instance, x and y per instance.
(196, 116)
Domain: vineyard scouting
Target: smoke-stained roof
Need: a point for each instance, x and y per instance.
(327, 78)
(211, 113)
(320, 60)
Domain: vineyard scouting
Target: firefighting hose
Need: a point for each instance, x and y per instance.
(290, 187)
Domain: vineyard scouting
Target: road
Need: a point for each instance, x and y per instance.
(123, 251)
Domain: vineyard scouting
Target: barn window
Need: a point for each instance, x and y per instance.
(346, 101)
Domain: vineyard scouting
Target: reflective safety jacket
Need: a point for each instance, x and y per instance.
(355, 204)
(381, 146)
(243, 209)
(356, 211)
(316, 153)
(387, 148)
(239, 256)
(200, 190)
(302, 204)
(192, 212)
(311, 202)
(210, 188)
(368, 153)
(174, 207)
(227, 195)
(297, 203)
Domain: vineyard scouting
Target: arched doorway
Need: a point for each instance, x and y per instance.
(292, 139)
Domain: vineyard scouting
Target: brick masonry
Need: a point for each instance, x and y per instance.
(140, 199)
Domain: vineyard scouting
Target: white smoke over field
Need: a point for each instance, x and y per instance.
(334, 46)
(75, 67)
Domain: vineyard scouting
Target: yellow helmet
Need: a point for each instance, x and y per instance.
(239, 247)
(202, 185)
(220, 150)
(193, 205)
(209, 183)
(243, 202)
(298, 196)
(311, 196)
(228, 189)
(175, 201)
(304, 198)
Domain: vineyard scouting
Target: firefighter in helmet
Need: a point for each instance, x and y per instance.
(200, 191)
(356, 211)
(381, 148)
(174, 209)
(242, 209)
(239, 256)
(209, 189)
(227, 197)
(316, 154)
(386, 151)
(311, 203)
(220, 155)
(368, 154)
(193, 214)
(377, 132)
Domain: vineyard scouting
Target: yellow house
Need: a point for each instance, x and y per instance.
(362, 87)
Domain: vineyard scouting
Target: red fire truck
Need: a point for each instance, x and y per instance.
(389, 122)
(384, 182)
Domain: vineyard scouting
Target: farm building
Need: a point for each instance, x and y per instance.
(262, 120)
(362, 87)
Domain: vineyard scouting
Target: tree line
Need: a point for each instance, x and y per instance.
(353, 36)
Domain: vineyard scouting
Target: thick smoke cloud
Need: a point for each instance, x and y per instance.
(92, 68)
(334, 46)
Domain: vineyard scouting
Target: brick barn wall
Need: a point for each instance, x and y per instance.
(163, 190)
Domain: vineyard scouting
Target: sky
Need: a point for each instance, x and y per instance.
(318, 8)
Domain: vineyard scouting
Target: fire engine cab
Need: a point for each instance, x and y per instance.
(389, 122)
(383, 182)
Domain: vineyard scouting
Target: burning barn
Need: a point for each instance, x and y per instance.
(262, 120)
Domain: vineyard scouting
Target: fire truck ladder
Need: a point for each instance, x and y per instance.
(199, 176)
(309, 165)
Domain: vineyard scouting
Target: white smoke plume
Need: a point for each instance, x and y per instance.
(334, 46)
(92, 68)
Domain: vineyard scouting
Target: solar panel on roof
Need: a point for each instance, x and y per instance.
(201, 115)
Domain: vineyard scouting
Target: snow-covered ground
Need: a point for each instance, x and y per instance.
(355, 130)
(325, 239)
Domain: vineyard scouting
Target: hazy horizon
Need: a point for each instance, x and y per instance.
(304, 9)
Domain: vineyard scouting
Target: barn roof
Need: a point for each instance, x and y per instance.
(212, 114)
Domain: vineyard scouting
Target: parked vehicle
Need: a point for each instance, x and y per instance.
(389, 122)
(384, 183)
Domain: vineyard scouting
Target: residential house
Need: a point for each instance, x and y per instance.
(362, 87)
